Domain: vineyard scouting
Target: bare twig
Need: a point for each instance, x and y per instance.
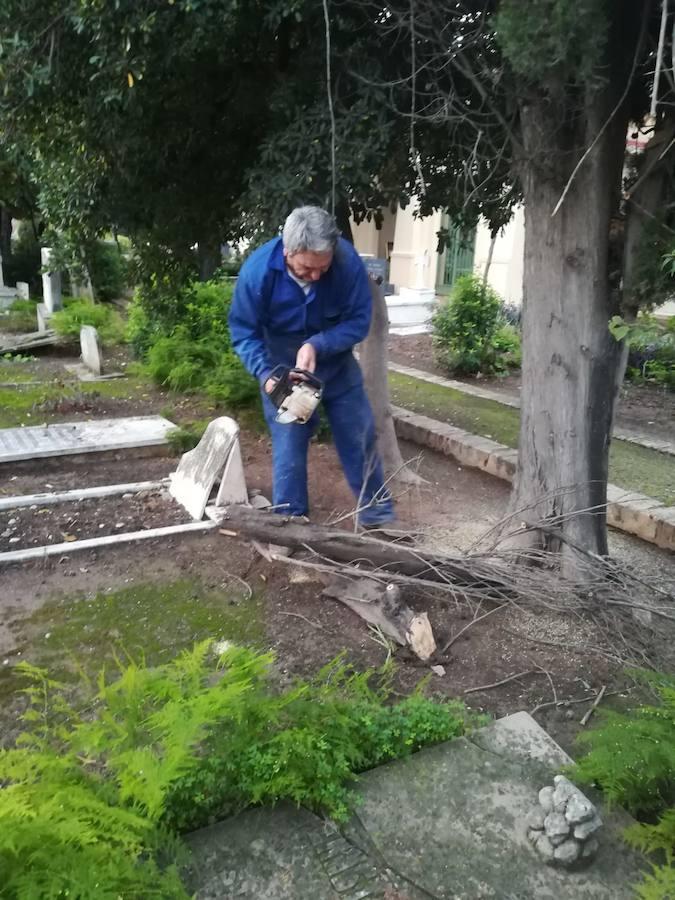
(589, 713)
(488, 687)
(304, 619)
(472, 622)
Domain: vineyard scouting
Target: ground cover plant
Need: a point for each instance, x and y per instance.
(98, 787)
(631, 757)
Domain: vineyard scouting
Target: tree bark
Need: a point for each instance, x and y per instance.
(569, 356)
(373, 357)
(5, 234)
(208, 256)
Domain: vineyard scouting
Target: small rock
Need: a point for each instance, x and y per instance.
(556, 824)
(127, 496)
(590, 848)
(11, 521)
(438, 670)
(533, 835)
(563, 791)
(557, 839)
(567, 853)
(546, 799)
(6, 533)
(545, 848)
(579, 808)
(14, 540)
(585, 829)
(119, 524)
(536, 819)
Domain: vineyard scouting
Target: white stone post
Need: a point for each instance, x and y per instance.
(51, 283)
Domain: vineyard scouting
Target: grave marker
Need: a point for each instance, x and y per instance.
(91, 350)
(51, 283)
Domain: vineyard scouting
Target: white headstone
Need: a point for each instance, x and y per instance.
(198, 470)
(51, 283)
(91, 350)
(43, 317)
(23, 290)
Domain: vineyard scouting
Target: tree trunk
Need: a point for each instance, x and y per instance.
(5, 234)
(373, 357)
(569, 356)
(208, 257)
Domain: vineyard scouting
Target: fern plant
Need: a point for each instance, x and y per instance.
(94, 796)
(632, 758)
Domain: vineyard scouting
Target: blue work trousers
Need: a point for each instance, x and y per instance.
(353, 429)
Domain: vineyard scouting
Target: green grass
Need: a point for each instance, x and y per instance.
(631, 467)
(21, 406)
(154, 621)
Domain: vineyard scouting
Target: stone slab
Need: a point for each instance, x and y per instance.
(23, 290)
(282, 854)
(91, 349)
(217, 454)
(446, 824)
(66, 438)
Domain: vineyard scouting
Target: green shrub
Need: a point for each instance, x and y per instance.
(464, 328)
(91, 802)
(77, 312)
(196, 354)
(506, 344)
(21, 316)
(108, 270)
(651, 349)
(632, 759)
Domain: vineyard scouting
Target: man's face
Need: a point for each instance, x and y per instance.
(309, 265)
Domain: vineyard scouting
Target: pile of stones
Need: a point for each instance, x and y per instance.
(562, 828)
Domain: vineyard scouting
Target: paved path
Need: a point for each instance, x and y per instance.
(623, 434)
(446, 824)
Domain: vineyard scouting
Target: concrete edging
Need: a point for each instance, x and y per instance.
(627, 511)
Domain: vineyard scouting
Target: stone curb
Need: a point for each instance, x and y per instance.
(627, 511)
(621, 434)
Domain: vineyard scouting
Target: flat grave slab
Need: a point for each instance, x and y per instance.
(65, 438)
(449, 823)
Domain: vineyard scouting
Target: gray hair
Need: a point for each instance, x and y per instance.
(310, 228)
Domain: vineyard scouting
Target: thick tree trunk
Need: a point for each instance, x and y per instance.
(569, 356)
(208, 256)
(5, 233)
(373, 357)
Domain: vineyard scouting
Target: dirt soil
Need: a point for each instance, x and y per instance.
(40, 600)
(645, 408)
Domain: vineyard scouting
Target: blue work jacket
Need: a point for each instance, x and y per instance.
(271, 317)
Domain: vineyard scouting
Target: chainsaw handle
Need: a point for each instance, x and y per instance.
(282, 374)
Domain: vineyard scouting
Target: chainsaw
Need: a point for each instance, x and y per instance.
(296, 398)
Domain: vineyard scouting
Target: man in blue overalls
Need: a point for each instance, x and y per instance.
(303, 301)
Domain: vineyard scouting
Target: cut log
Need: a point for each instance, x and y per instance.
(346, 547)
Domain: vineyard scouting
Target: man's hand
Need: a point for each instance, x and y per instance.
(270, 384)
(306, 358)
